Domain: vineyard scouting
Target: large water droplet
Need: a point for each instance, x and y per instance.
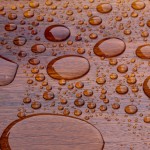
(143, 51)
(104, 8)
(8, 71)
(146, 86)
(78, 134)
(138, 5)
(68, 67)
(109, 47)
(57, 33)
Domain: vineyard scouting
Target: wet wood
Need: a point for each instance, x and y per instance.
(50, 132)
(119, 130)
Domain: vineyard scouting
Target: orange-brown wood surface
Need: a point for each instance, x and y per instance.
(75, 75)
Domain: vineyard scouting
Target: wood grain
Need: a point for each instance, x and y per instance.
(120, 131)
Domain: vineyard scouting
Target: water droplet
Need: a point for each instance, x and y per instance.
(12, 16)
(113, 61)
(127, 32)
(60, 107)
(109, 47)
(95, 20)
(40, 77)
(19, 41)
(35, 125)
(27, 100)
(93, 36)
(8, 73)
(146, 86)
(62, 82)
(148, 23)
(63, 101)
(79, 102)
(44, 83)
(115, 106)
(36, 105)
(143, 51)
(13, 7)
(57, 33)
(78, 95)
(48, 95)
(138, 5)
(29, 81)
(38, 48)
(81, 50)
(147, 119)
(113, 76)
(79, 85)
(10, 27)
(21, 114)
(28, 14)
(131, 80)
(34, 70)
(103, 107)
(48, 2)
(34, 61)
(91, 105)
(66, 112)
(131, 109)
(68, 67)
(100, 80)
(122, 68)
(121, 89)
(77, 112)
(88, 92)
(22, 54)
(104, 8)
(34, 4)
(1, 8)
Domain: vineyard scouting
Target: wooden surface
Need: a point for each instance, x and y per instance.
(120, 131)
(56, 132)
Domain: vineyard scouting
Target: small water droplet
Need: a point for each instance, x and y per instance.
(104, 8)
(79, 102)
(48, 95)
(121, 89)
(10, 27)
(131, 109)
(38, 48)
(19, 41)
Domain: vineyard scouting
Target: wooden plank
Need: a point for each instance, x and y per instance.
(120, 131)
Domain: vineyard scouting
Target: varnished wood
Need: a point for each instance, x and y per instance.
(119, 130)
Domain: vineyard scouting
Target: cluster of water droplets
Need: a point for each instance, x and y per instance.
(80, 58)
